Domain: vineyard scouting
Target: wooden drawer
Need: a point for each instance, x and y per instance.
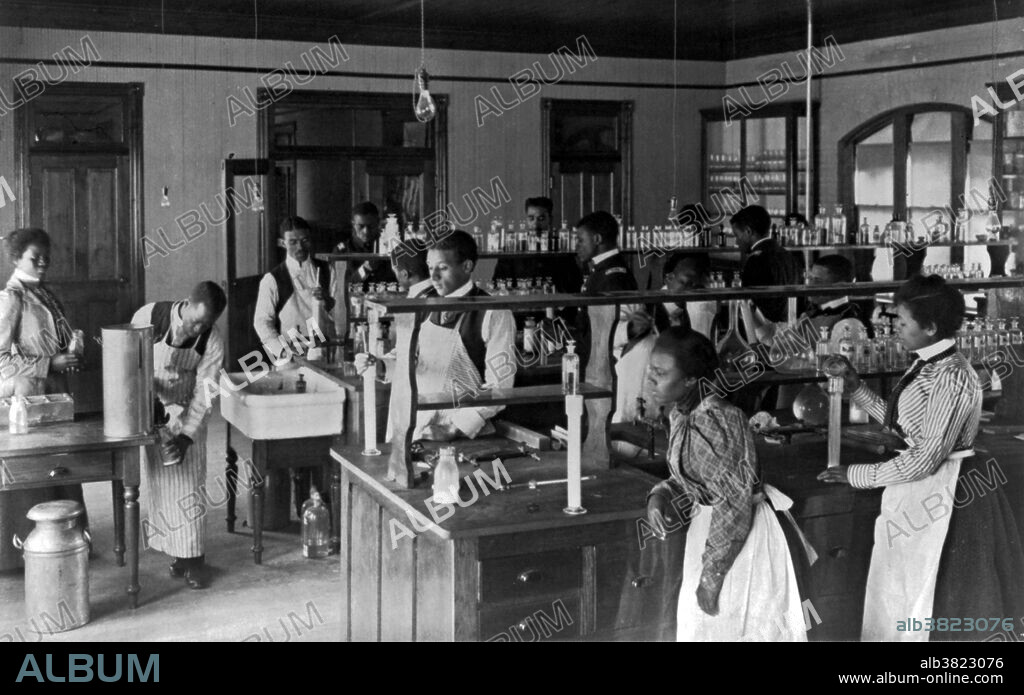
(525, 577)
(538, 621)
(63, 468)
(843, 543)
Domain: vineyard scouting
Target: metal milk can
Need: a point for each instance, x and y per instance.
(56, 556)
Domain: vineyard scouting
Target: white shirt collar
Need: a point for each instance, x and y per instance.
(462, 291)
(419, 287)
(602, 257)
(294, 267)
(760, 241)
(932, 350)
(835, 303)
(25, 278)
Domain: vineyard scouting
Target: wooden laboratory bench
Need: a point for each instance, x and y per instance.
(66, 453)
(510, 566)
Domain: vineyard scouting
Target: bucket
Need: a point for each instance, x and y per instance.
(56, 554)
(127, 380)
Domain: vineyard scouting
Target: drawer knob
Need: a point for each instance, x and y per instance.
(640, 582)
(529, 577)
(837, 552)
(59, 471)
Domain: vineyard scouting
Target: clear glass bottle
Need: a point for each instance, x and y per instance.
(876, 236)
(300, 385)
(530, 335)
(965, 341)
(846, 346)
(1002, 335)
(316, 528)
(570, 370)
(446, 477)
(839, 227)
(993, 225)
(17, 416)
(1016, 335)
(864, 236)
(823, 349)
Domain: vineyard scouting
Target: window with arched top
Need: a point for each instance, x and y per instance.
(921, 163)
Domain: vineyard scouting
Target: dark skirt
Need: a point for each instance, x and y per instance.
(982, 559)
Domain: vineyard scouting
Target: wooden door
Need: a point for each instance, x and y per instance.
(82, 201)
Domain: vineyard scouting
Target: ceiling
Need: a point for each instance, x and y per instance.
(708, 29)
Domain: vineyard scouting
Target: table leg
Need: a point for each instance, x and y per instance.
(256, 486)
(117, 487)
(231, 475)
(335, 473)
(131, 508)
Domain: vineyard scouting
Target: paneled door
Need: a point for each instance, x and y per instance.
(82, 203)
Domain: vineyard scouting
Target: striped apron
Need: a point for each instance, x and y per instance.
(909, 534)
(443, 362)
(177, 519)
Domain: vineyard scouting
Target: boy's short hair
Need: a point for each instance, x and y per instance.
(462, 243)
(839, 267)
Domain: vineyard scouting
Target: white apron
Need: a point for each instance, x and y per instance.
(443, 366)
(760, 601)
(909, 534)
(176, 523)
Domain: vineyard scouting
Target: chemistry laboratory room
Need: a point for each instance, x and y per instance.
(442, 320)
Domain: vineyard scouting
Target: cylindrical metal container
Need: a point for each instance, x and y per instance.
(127, 380)
(56, 556)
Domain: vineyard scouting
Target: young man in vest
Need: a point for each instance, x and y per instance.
(461, 352)
(187, 354)
(765, 264)
(296, 292)
(362, 238)
(409, 264)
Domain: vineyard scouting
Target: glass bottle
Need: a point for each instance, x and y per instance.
(446, 477)
(864, 237)
(530, 335)
(733, 352)
(1002, 335)
(316, 528)
(494, 236)
(965, 341)
(876, 236)
(300, 385)
(17, 416)
(960, 227)
(993, 225)
(570, 370)
(839, 227)
(846, 346)
(1016, 335)
(823, 349)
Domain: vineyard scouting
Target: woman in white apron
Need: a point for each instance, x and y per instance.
(34, 359)
(926, 527)
(187, 358)
(739, 582)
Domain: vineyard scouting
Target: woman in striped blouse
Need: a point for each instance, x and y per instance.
(939, 551)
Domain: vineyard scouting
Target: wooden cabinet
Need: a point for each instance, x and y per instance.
(511, 566)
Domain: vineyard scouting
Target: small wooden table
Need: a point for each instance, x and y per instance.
(66, 453)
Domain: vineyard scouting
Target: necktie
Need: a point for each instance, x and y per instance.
(892, 407)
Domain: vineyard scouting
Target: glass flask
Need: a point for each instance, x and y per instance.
(316, 528)
(733, 352)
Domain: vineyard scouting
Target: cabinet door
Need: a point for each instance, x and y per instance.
(638, 588)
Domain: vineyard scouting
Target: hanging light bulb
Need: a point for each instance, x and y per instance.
(673, 211)
(993, 225)
(425, 108)
(165, 202)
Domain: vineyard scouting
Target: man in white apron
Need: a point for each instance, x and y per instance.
(296, 293)
(187, 351)
(461, 353)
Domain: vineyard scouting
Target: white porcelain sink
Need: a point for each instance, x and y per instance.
(270, 408)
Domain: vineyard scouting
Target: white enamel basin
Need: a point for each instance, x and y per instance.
(269, 407)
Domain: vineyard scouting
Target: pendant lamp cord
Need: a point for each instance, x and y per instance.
(675, 93)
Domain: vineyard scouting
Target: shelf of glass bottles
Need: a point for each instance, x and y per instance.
(518, 239)
(829, 231)
(765, 171)
(983, 341)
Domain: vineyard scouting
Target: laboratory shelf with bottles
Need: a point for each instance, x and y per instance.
(1008, 159)
(767, 148)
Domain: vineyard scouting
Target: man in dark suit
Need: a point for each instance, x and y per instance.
(363, 237)
(765, 263)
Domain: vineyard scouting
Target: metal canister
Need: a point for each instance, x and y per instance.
(56, 556)
(127, 380)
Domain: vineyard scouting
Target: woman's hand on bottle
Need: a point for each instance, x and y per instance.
(65, 362)
(841, 366)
